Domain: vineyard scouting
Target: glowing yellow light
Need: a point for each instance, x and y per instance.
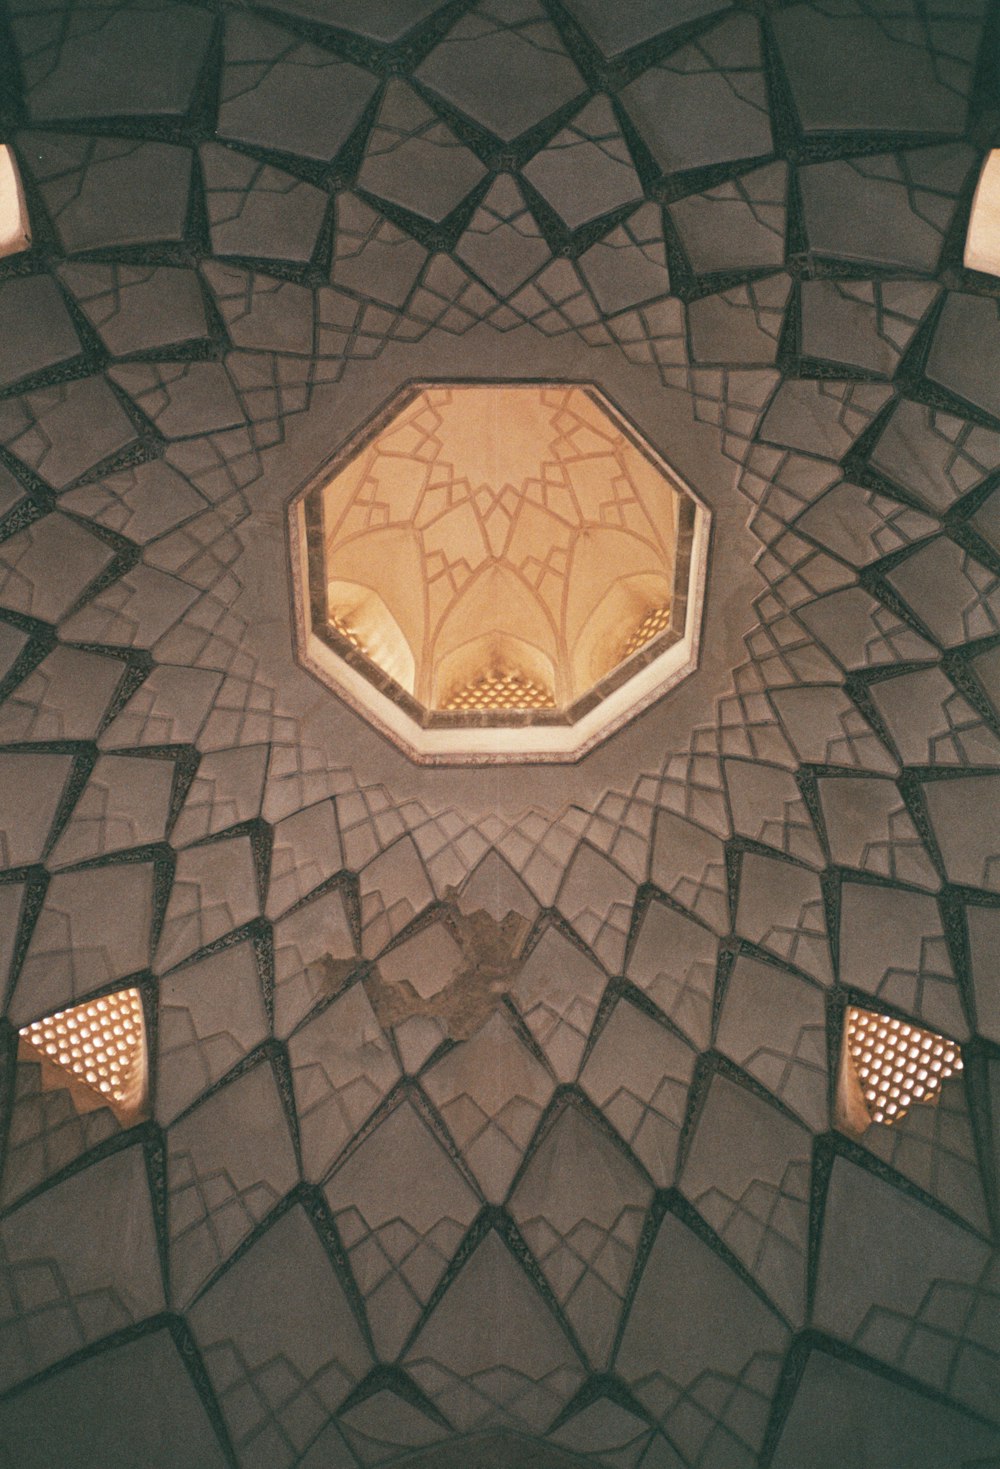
(101, 1045)
(897, 1064)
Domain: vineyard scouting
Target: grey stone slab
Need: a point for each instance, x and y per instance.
(94, 929)
(491, 1092)
(961, 813)
(688, 864)
(136, 308)
(862, 324)
(214, 891)
(68, 1280)
(629, 265)
(141, 503)
(955, 596)
(862, 526)
(260, 311)
(82, 1416)
(229, 1162)
(382, 20)
(492, 1350)
(287, 96)
(638, 1074)
(64, 431)
(839, 1404)
(372, 256)
(767, 806)
(888, 209)
(747, 1173)
(781, 908)
(821, 417)
(125, 803)
(306, 943)
(280, 1342)
(402, 1208)
(634, 21)
(378, 1424)
(36, 330)
(738, 225)
(503, 245)
(935, 455)
(45, 569)
(211, 1013)
(739, 326)
(558, 990)
(773, 1024)
(133, 612)
(892, 946)
(868, 826)
(342, 1068)
(965, 352)
(983, 925)
(501, 39)
(110, 191)
(931, 723)
(113, 61)
(882, 70)
(414, 159)
(706, 103)
(182, 398)
(706, 1368)
(64, 698)
(31, 787)
(673, 961)
(586, 170)
(227, 790)
(305, 853)
(257, 210)
(580, 1205)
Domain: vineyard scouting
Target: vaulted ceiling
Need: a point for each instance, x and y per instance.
(492, 1112)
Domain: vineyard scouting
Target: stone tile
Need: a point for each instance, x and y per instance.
(109, 61)
(706, 103)
(135, 308)
(960, 813)
(229, 1162)
(634, 21)
(314, 947)
(110, 191)
(955, 596)
(935, 1148)
(965, 352)
(211, 1013)
(227, 790)
(68, 1281)
(586, 170)
(931, 723)
(65, 697)
(402, 1208)
(892, 946)
(503, 38)
(141, 503)
(767, 807)
(31, 788)
(492, 1351)
(342, 1068)
(36, 330)
(868, 827)
(738, 225)
(382, 20)
(182, 398)
(862, 324)
(781, 909)
(45, 569)
(257, 210)
(707, 1368)
(638, 1073)
(881, 71)
(491, 1092)
(62, 432)
(125, 803)
(503, 245)
(94, 928)
(983, 927)
(580, 1205)
(773, 1025)
(414, 160)
(741, 325)
(214, 891)
(934, 455)
(887, 209)
(673, 960)
(373, 256)
(46, 1132)
(629, 265)
(558, 990)
(280, 1342)
(287, 97)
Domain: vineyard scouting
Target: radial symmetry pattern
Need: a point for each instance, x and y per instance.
(495, 1114)
(494, 551)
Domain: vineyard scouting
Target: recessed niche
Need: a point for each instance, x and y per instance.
(498, 571)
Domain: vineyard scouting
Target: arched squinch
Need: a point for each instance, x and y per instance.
(494, 655)
(370, 625)
(15, 232)
(496, 604)
(602, 559)
(600, 643)
(388, 563)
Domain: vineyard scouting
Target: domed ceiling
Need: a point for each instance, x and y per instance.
(638, 1112)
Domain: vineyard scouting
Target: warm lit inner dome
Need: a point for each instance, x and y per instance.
(500, 547)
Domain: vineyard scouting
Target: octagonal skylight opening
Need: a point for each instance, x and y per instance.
(498, 571)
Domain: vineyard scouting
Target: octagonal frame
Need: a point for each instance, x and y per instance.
(440, 737)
